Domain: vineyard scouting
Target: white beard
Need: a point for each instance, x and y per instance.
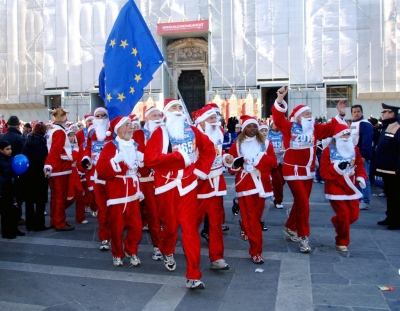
(152, 124)
(308, 125)
(216, 135)
(250, 148)
(345, 147)
(128, 151)
(175, 124)
(101, 127)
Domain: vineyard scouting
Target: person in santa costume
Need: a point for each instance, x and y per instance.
(75, 189)
(58, 168)
(299, 140)
(210, 191)
(98, 136)
(118, 165)
(81, 135)
(135, 122)
(343, 170)
(149, 206)
(253, 162)
(179, 154)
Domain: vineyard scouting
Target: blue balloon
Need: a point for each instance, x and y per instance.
(20, 164)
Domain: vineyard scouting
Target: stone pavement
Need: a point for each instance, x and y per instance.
(66, 270)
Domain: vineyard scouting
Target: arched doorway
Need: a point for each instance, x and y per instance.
(191, 85)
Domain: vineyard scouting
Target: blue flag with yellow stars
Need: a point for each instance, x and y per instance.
(129, 62)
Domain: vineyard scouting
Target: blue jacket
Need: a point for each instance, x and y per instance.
(365, 141)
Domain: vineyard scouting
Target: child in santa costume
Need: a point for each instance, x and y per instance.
(299, 140)
(98, 136)
(118, 164)
(58, 167)
(75, 189)
(149, 206)
(253, 162)
(210, 191)
(343, 170)
(179, 154)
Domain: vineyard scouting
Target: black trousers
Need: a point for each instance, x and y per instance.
(9, 218)
(392, 197)
(34, 215)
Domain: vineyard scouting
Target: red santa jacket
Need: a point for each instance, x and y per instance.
(341, 184)
(215, 184)
(253, 183)
(299, 158)
(122, 182)
(81, 136)
(177, 168)
(145, 173)
(60, 156)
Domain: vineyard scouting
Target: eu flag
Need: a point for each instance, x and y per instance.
(129, 62)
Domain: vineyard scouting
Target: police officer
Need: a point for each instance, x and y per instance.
(387, 163)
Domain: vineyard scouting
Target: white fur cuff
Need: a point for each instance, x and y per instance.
(361, 181)
(279, 108)
(185, 157)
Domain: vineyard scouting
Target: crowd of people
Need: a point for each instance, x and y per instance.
(167, 173)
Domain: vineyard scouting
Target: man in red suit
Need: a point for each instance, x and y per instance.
(299, 140)
(179, 154)
(210, 191)
(58, 167)
(149, 208)
(98, 136)
(118, 164)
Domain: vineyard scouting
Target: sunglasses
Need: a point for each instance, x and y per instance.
(101, 115)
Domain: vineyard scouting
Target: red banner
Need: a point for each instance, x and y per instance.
(181, 27)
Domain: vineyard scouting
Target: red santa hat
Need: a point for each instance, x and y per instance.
(88, 117)
(214, 106)
(204, 113)
(73, 125)
(170, 102)
(100, 109)
(298, 110)
(340, 130)
(246, 120)
(116, 123)
(150, 110)
(133, 117)
(262, 125)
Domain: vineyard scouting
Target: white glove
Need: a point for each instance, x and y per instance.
(118, 157)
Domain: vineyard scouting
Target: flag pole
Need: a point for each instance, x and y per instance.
(179, 93)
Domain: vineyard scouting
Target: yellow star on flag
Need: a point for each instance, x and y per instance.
(138, 78)
(112, 43)
(124, 44)
(132, 90)
(109, 97)
(139, 64)
(121, 96)
(134, 51)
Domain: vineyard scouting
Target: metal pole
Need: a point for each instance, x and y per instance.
(179, 93)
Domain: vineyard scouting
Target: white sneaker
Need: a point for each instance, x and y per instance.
(304, 246)
(194, 284)
(105, 245)
(145, 228)
(87, 209)
(364, 206)
(219, 264)
(84, 222)
(170, 262)
(341, 248)
(279, 206)
(291, 234)
(382, 194)
(157, 254)
(134, 261)
(117, 262)
(94, 213)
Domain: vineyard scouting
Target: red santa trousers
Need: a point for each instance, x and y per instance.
(299, 216)
(118, 221)
(251, 209)
(100, 194)
(347, 212)
(214, 208)
(277, 184)
(180, 210)
(150, 208)
(59, 191)
(79, 205)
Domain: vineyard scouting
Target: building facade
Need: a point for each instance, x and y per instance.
(236, 53)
